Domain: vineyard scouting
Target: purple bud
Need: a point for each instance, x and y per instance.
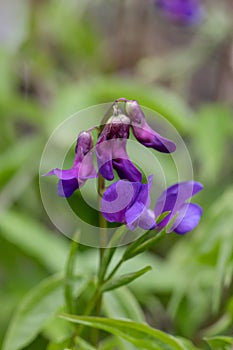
(82, 169)
(144, 133)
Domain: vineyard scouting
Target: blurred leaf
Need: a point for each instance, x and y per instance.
(34, 239)
(213, 125)
(124, 279)
(137, 333)
(84, 345)
(37, 307)
(122, 303)
(220, 343)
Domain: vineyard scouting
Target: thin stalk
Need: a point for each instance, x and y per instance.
(69, 274)
(102, 225)
(112, 273)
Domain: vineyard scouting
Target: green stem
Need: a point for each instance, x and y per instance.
(102, 225)
(69, 276)
(120, 262)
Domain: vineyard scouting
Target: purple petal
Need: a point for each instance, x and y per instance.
(63, 174)
(150, 138)
(139, 214)
(121, 162)
(144, 193)
(126, 170)
(144, 133)
(187, 219)
(147, 220)
(133, 214)
(67, 187)
(86, 167)
(175, 196)
(104, 159)
(117, 199)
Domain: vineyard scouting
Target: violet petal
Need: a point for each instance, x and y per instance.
(117, 199)
(150, 138)
(175, 196)
(67, 187)
(187, 219)
(63, 174)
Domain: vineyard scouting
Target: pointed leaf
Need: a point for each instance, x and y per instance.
(34, 311)
(124, 279)
(220, 343)
(139, 334)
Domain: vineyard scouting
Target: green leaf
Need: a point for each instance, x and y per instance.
(124, 279)
(83, 344)
(35, 310)
(139, 334)
(37, 307)
(220, 343)
(34, 239)
(144, 243)
(122, 303)
(211, 150)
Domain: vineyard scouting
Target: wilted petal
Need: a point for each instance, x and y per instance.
(144, 133)
(187, 219)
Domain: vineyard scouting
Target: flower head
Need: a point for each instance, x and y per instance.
(144, 133)
(185, 216)
(111, 150)
(182, 11)
(128, 202)
(82, 169)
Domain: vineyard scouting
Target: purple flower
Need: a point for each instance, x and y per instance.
(128, 203)
(182, 216)
(182, 11)
(111, 150)
(144, 133)
(82, 169)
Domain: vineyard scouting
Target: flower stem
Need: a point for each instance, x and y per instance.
(69, 272)
(102, 225)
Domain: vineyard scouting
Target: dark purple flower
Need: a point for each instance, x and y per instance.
(82, 169)
(182, 216)
(128, 202)
(182, 11)
(144, 133)
(111, 150)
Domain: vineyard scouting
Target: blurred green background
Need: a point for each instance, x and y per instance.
(57, 57)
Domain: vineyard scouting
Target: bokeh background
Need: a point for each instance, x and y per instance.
(58, 57)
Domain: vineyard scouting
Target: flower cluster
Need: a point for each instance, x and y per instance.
(127, 200)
